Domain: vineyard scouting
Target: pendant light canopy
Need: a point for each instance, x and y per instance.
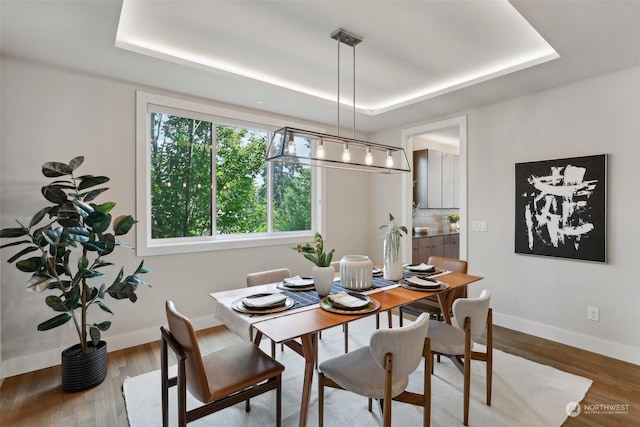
(298, 146)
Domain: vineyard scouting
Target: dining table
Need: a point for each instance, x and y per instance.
(298, 326)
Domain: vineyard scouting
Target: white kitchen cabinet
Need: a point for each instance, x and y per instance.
(437, 179)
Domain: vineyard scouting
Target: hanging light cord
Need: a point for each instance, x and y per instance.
(354, 91)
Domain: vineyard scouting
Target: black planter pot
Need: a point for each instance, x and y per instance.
(81, 371)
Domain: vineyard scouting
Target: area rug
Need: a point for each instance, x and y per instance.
(525, 393)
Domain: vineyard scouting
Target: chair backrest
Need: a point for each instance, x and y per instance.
(183, 332)
(455, 265)
(451, 264)
(268, 276)
(477, 309)
(405, 344)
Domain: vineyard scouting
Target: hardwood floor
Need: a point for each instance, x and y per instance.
(36, 399)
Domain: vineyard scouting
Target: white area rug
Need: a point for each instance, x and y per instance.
(524, 394)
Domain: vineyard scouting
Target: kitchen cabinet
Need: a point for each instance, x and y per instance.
(425, 247)
(451, 246)
(446, 245)
(436, 178)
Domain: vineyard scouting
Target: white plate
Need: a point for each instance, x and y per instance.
(422, 283)
(421, 268)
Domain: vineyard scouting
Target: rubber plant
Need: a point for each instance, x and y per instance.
(70, 240)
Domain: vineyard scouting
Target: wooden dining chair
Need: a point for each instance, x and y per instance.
(381, 370)
(472, 320)
(263, 278)
(218, 380)
(430, 304)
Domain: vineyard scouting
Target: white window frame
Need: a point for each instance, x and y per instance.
(146, 246)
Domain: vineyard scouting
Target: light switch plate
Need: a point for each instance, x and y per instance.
(479, 226)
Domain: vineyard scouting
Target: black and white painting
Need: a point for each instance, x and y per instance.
(561, 207)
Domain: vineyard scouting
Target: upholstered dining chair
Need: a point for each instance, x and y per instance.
(381, 369)
(472, 319)
(219, 379)
(264, 277)
(345, 327)
(430, 304)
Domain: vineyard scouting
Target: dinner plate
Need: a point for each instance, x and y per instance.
(365, 300)
(237, 305)
(302, 282)
(442, 287)
(285, 287)
(420, 282)
(419, 268)
(274, 304)
(326, 305)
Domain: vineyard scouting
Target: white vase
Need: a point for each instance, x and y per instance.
(356, 272)
(392, 264)
(323, 279)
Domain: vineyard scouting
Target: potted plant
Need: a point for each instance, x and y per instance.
(392, 249)
(454, 220)
(63, 248)
(322, 270)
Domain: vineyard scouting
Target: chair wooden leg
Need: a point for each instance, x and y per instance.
(400, 315)
(273, 349)
(426, 387)
(467, 369)
(346, 338)
(182, 395)
(320, 399)
(387, 392)
(164, 366)
(377, 320)
(489, 355)
(389, 319)
(279, 401)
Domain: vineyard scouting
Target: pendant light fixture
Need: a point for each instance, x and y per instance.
(298, 146)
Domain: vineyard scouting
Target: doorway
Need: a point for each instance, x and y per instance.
(410, 137)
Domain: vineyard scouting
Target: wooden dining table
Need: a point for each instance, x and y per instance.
(304, 324)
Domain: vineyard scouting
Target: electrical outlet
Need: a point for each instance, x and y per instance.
(479, 226)
(593, 313)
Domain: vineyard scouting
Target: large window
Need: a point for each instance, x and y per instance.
(207, 186)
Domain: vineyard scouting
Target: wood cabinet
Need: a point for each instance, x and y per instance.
(424, 247)
(451, 246)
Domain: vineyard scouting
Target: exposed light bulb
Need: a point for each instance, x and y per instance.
(346, 157)
(389, 159)
(320, 150)
(368, 159)
(291, 149)
(169, 184)
(184, 185)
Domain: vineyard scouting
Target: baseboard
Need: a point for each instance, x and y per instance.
(46, 359)
(586, 342)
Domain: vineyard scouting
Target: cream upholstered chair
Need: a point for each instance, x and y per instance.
(264, 277)
(381, 369)
(430, 304)
(220, 379)
(472, 319)
(345, 327)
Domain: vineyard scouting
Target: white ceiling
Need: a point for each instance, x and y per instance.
(418, 59)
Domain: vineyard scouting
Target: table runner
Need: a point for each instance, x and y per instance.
(241, 324)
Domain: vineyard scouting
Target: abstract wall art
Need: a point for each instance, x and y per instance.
(561, 208)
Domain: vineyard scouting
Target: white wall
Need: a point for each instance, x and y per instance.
(51, 114)
(546, 296)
